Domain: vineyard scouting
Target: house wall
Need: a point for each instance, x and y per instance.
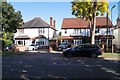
(51, 32)
(84, 32)
(116, 41)
(33, 32)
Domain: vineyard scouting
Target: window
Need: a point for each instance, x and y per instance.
(65, 31)
(77, 41)
(21, 31)
(66, 41)
(41, 42)
(41, 31)
(97, 31)
(97, 41)
(77, 31)
(20, 42)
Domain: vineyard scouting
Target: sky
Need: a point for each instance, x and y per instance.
(58, 10)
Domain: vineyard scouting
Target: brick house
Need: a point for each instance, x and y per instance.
(77, 31)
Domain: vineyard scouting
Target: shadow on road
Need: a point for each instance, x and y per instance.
(50, 65)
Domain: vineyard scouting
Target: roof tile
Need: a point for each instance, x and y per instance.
(81, 23)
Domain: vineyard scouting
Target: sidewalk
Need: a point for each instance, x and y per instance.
(56, 52)
(45, 51)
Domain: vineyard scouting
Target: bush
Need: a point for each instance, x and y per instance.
(7, 42)
(4, 42)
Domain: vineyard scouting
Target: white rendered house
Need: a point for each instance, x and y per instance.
(77, 31)
(35, 31)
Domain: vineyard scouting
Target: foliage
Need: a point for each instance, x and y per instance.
(89, 10)
(6, 42)
(11, 20)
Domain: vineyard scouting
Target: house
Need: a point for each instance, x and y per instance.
(77, 31)
(116, 33)
(36, 31)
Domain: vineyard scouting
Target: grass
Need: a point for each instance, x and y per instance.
(111, 55)
(8, 53)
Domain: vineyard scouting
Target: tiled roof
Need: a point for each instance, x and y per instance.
(70, 23)
(40, 36)
(36, 22)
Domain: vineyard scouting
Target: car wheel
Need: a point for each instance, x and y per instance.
(93, 55)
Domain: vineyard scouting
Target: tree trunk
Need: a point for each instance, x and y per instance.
(94, 23)
(90, 24)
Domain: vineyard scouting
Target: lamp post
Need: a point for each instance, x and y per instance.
(112, 26)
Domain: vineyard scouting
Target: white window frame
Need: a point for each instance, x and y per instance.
(41, 31)
(77, 41)
(42, 42)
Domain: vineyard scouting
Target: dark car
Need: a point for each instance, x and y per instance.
(63, 46)
(83, 50)
(8, 47)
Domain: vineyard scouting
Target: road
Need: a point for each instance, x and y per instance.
(51, 65)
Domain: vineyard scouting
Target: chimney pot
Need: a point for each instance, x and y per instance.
(51, 19)
(54, 23)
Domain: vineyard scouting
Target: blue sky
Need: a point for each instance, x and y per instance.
(58, 10)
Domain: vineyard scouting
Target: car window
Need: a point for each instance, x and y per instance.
(87, 46)
(78, 47)
(32, 45)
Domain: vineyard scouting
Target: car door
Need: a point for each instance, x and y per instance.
(79, 50)
(87, 49)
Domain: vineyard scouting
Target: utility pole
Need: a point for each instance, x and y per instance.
(112, 27)
(107, 33)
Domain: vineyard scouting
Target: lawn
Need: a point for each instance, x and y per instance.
(111, 55)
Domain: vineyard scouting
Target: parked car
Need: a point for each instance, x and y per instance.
(83, 50)
(8, 47)
(32, 47)
(63, 46)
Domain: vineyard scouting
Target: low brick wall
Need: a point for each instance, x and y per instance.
(19, 48)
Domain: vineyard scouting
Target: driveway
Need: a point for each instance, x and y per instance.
(51, 65)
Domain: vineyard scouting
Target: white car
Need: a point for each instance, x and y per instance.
(32, 47)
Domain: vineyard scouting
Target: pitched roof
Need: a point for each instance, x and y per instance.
(23, 37)
(40, 37)
(36, 22)
(70, 23)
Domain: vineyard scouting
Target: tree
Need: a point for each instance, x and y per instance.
(11, 20)
(59, 38)
(88, 10)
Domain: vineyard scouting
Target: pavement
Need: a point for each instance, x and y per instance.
(60, 52)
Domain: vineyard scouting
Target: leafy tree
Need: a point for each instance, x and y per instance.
(11, 20)
(88, 10)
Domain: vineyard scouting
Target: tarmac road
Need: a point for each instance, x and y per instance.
(51, 65)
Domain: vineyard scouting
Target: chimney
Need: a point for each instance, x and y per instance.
(51, 21)
(54, 24)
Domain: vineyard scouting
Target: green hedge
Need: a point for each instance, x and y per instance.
(6, 42)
